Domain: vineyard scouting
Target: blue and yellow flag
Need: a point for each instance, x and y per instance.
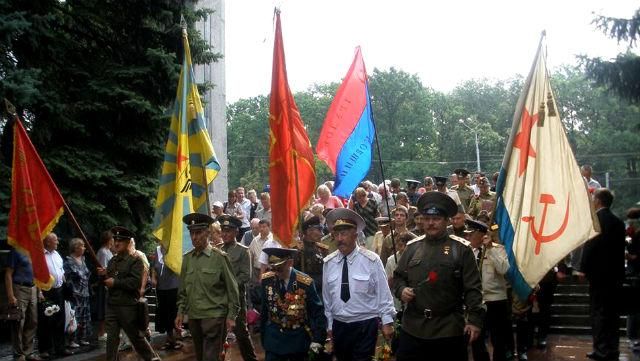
(190, 165)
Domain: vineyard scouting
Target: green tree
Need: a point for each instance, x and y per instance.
(93, 81)
(622, 74)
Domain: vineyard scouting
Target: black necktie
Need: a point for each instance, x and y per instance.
(344, 287)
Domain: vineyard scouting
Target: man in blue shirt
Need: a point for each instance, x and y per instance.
(22, 292)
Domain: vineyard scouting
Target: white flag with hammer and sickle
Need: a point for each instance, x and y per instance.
(543, 207)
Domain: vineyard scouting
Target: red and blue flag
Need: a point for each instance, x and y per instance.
(347, 135)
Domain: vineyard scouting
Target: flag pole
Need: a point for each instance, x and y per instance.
(11, 109)
(386, 191)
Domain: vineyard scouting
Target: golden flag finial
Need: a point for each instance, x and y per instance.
(11, 109)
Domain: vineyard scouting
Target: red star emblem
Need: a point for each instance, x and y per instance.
(523, 140)
(180, 159)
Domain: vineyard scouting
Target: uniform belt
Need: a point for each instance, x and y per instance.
(23, 284)
(429, 313)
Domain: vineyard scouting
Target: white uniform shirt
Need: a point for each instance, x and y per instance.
(55, 266)
(494, 267)
(104, 256)
(370, 295)
(264, 258)
(255, 249)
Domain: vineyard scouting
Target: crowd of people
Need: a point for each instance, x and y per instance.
(418, 263)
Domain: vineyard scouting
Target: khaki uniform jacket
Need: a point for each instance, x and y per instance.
(208, 288)
(126, 271)
(494, 267)
(475, 205)
(444, 276)
(465, 193)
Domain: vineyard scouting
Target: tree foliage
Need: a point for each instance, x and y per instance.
(622, 74)
(93, 81)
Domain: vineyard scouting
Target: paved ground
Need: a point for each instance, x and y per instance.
(560, 348)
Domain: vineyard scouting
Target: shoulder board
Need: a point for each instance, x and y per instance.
(496, 245)
(268, 275)
(322, 245)
(331, 256)
(303, 278)
(218, 250)
(369, 254)
(459, 239)
(417, 239)
(454, 187)
(242, 246)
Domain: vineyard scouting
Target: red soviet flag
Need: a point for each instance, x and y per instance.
(36, 205)
(292, 173)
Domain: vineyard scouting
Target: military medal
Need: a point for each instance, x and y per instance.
(446, 250)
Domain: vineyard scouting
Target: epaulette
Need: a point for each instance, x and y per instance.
(322, 245)
(417, 239)
(460, 239)
(218, 250)
(242, 245)
(331, 256)
(268, 275)
(372, 256)
(496, 245)
(303, 278)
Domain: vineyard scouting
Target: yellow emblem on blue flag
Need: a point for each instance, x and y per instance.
(189, 166)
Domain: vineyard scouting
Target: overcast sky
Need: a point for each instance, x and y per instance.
(444, 42)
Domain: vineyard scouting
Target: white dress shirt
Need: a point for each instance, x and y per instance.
(370, 295)
(264, 258)
(255, 249)
(55, 266)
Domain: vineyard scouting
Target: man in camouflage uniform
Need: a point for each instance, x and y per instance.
(208, 291)
(437, 277)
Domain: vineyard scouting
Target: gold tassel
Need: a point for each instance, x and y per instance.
(541, 114)
(551, 105)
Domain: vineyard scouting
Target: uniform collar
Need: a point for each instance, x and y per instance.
(206, 251)
(351, 256)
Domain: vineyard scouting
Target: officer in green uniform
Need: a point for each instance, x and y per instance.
(123, 279)
(484, 201)
(464, 191)
(208, 291)
(241, 264)
(437, 277)
(309, 260)
(293, 321)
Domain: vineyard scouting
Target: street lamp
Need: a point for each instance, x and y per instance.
(475, 131)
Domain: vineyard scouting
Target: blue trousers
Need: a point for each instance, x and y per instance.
(355, 341)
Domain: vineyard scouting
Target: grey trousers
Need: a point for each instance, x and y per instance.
(208, 337)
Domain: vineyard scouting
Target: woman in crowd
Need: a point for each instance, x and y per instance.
(326, 199)
(77, 274)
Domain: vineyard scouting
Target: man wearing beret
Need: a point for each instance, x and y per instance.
(493, 264)
(208, 291)
(437, 277)
(309, 260)
(123, 279)
(292, 321)
(241, 265)
(355, 291)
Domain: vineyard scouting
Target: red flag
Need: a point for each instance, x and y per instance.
(36, 205)
(291, 164)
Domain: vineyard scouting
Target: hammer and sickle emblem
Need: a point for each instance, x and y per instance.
(538, 234)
